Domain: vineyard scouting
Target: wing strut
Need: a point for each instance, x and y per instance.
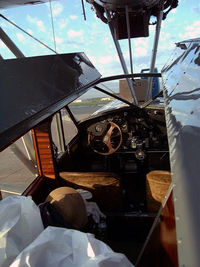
(129, 38)
(121, 57)
(154, 54)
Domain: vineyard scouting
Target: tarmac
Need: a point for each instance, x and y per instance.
(14, 175)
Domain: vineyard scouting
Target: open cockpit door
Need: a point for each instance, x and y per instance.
(33, 89)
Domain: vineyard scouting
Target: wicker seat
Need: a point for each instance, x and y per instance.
(157, 184)
(105, 187)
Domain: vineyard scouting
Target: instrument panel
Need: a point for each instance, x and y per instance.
(128, 131)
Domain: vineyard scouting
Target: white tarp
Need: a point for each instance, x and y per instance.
(63, 247)
(20, 224)
(23, 242)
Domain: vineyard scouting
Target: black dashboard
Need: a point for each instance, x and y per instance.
(127, 130)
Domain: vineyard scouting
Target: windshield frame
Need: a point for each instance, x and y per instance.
(116, 97)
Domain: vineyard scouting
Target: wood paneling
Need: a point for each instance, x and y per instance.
(44, 149)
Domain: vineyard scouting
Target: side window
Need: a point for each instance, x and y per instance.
(70, 129)
(63, 130)
(17, 167)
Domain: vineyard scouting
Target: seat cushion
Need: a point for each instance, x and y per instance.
(91, 180)
(105, 187)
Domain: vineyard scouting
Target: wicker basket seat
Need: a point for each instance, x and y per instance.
(104, 186)
(157, 184)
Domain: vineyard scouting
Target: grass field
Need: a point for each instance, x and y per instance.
(91, 102)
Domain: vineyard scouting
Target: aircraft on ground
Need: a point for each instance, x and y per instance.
(138, 155)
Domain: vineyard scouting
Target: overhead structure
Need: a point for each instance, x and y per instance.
(131, 19)
(140, 12)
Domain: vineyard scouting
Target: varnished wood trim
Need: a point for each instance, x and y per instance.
(44, 150)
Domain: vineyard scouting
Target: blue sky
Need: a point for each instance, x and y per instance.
(73, 34)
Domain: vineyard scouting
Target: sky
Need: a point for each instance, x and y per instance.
(73, 34)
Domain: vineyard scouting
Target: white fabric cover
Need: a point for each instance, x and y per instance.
(68, 248)
(24, 242)
(20, 224)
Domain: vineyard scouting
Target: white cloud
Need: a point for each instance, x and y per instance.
(193, 26)
(109, 69)
(106, 40)
(30, 31)
(140, 51)
(172, 19)
(71, 33)
(57, 8)
(116, 57)
(63, 23)
(40, 25)
(59, 40)
(37, 22)
(20, 37)
(168, 45)
(92, 59)
(141, 42)
(105, 59)
(174, 11)
(164, 36)
(191, 31)
(30, 19)
(126, 55)
(73, 17)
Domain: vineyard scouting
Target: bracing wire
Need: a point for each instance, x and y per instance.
(52, 25)
(83, 8)
(30, 35)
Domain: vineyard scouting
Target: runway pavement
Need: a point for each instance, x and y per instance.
(14, 175)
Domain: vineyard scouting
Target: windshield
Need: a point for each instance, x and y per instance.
(94, 101)
(118, 95)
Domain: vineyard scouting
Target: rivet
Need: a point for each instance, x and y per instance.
(180, 240)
